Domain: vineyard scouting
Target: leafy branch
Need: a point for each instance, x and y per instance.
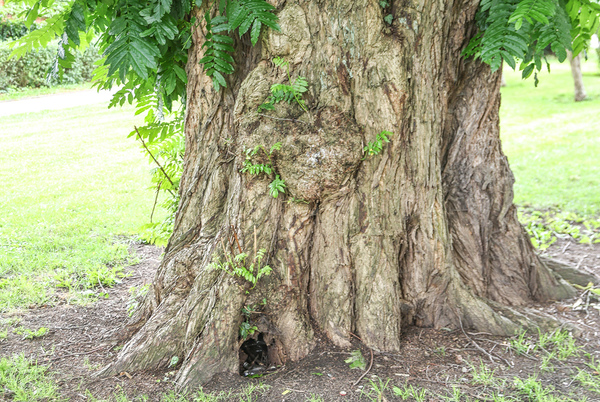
(237, 266)
(240, 15)
(152, 156)
(277, 185)
(376, 146)
(519, 30)
(284, 92)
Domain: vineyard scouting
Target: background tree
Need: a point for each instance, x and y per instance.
(577, 76)
(372, 176)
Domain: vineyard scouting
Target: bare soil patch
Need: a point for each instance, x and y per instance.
(83, 339)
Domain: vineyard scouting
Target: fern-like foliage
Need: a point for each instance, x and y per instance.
(286, 92)
(129, 50)
(278, 184)
(585, 21)
(375, 147)
(532, 10)
(518, 31)
(251, 15)
(501, 39)
(40, 37)
(162, 140)
(217, 58)
(237, 266)
(240, 15)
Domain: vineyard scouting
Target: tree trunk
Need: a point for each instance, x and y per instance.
(424, 233)
(577, 76)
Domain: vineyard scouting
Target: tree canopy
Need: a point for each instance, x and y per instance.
(145, 43)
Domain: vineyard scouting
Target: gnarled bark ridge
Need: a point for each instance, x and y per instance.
(424, 233)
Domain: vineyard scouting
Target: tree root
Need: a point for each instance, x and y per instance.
(569, 273)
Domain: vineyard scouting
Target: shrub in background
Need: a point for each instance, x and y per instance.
(13, 29)
(32, 69)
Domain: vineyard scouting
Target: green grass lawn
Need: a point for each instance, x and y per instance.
(72, 188)
(552, 142)
(21, 93)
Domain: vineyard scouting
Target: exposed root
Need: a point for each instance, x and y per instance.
(569, 273)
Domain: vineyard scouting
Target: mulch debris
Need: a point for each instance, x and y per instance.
(81, 340)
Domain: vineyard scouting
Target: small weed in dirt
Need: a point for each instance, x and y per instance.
(173, 397)
(457, 395)
(22, 291)
(546, 364)
(21, 380)
(483, 375)
(408, 391)
(356, 360)
(564, 344)
(522, 345)
(315, 398)
(30, 334)
(532, 390)
(91, 277)
(543, 227)
(441, 350)
(404, 392)
(496, 397)
(591, 381)
(10, 321)
(377, 390)
(248, 394)
(90, 366)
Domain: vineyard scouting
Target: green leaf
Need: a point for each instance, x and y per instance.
(528, 70)
(277, 186)
(237, 14)
(220, 79)
(32, 15)
(356, 360)
(75, 23)
(255, 33)
(156, 10)
(532, 10)
(223, 47)
(223, 39)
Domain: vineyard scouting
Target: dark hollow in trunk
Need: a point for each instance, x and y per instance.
(424, 233)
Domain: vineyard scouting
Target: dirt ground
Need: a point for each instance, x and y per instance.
(82, 339)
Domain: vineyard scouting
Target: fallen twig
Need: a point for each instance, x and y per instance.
(370, 364)
(73, 354)
(580, 261)
(369, 369)
(480, 348)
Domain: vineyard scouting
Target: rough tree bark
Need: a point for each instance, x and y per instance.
(423, 234)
